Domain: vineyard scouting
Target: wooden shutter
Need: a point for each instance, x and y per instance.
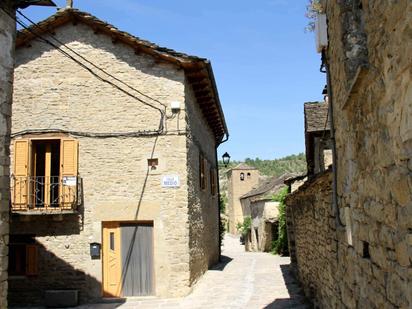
(21, 173)
(31, 260)
(68, 172)
(202, 172)
(213, 181)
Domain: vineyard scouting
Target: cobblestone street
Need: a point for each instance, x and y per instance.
(242, 280)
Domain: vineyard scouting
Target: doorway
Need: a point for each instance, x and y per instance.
(128, 259)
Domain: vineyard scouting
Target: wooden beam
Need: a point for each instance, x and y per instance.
(200, 86)
(202, 93)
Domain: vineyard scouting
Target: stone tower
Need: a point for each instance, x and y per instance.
(241, 179)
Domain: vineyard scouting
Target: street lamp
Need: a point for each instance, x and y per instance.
(226, 159)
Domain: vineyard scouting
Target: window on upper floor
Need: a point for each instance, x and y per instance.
(202, 172)
(44, 174)
(242, 176)
(213, 182)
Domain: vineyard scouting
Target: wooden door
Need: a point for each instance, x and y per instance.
(111, 260)
(137, 259)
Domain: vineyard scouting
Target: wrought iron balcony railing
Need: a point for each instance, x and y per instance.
(42, 193)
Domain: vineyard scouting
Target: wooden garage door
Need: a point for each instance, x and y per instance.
(137, 259)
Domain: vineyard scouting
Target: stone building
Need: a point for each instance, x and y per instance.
(7, 35)
(7, 41)
(241, 179)
(114, 189)
(356, 251)
(317, 137)
(258, 204)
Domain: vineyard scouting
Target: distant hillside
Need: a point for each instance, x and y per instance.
(277, 167)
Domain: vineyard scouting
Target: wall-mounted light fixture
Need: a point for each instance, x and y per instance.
(226, 159)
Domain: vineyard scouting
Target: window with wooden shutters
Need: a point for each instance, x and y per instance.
(20, 193)
(68, 172)
(44, 174)
(23, 256)
(202, 172)
(213, 187)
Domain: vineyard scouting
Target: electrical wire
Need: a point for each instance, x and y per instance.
(88, 61)
(21, 23)
(87, 134)
(138, 133)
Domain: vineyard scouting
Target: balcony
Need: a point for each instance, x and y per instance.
(45, 195)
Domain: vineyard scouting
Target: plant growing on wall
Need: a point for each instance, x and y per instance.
(223, 221)
(313, 8)
(223, 202)
(280, 245)
(244, 228)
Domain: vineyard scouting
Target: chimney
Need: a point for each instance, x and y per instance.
(69, 4)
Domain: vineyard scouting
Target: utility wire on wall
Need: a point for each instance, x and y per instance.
(41, 38)
(88, 61)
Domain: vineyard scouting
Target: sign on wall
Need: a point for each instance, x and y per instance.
(69, 180)
(170, 181)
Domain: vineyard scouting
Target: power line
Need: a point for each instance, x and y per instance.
(42, 39)
(21, 23)
(88, 61)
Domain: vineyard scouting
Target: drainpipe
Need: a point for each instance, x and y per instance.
(335, 206)
(218, 190)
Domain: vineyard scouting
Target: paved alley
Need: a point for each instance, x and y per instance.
(242, 280)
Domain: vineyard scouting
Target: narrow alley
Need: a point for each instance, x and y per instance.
(243, 280)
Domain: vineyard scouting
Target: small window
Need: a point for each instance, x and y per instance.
(213, 187)
(202, 172)
(248, 175)
(242, 176)
(112, 241)
(365, 250)
(153, 163)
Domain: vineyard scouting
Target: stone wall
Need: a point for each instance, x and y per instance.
(371, 77)
(7, 36)
(371, 81)
(203, 206)
(264, 215)
(312, 241)
(52, 92)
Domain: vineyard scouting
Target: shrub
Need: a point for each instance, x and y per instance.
(244, 228)
(280, 245)
(222, 223)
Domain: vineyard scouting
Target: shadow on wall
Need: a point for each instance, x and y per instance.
(296, 298)
(52, 273)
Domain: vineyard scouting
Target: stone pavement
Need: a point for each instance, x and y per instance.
(243, 280)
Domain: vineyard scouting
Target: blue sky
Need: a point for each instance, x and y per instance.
(265, 64)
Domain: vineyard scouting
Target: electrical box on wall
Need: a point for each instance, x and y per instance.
(95, 250)
(321, 30)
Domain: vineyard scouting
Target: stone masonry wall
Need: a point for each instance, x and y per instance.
(370, 259)
(312, 241)
(371, 78)
(53, 92)
(203, 206)
(7, 37)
